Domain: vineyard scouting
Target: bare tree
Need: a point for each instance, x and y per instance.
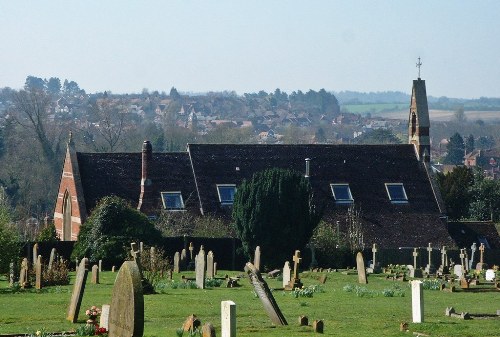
(107, 124)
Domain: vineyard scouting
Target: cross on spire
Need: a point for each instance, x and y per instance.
(419, 64)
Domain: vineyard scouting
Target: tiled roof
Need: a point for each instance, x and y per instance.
(466, 233)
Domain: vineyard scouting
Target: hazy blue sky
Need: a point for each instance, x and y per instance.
(247, 46)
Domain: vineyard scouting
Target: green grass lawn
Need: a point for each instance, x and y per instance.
(343, 313)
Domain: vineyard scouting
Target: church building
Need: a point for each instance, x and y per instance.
(392, 186)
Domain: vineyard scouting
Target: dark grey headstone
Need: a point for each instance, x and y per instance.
(126, 316)
(265, 295)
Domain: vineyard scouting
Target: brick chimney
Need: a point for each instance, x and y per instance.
(145, 198)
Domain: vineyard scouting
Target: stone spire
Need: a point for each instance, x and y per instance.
(418, 122)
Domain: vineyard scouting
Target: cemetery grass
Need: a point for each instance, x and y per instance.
(344, 313)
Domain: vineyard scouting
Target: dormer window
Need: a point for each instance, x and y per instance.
(342, 193)
(226, 193)
(172, 201)
(396, 193)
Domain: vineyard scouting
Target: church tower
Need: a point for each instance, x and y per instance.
(419, 122)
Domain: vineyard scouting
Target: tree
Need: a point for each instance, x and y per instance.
(469, 144)
(456, 149)
(485, 198)
(460, 115)
(110, 229)
(454, 188)
(274, 210)
(48, 234)
(34, 83)
(378, 136)
(174, 94)
(9, 239)
(54, 85)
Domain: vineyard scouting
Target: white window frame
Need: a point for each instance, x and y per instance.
(218, 193)
(396, 201)
(342, 201)
(177, 193)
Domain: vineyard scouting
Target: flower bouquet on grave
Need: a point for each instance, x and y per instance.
(92, 314)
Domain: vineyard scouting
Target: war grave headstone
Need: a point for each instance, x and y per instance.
(286, 274)
(23, 275)
(78, 289)
(360, 266)
(52, 258)
(126, 316)
(490, 275)
(429, 269)
(374, 266)
(256, 258)
(210, 264)
(481, 265)
(417, 301)
(265, 295)
(95, 274)
(38, 273)
(104, 319)
(228, 318)
(295, 280)
(416, 272)
(200, 269)
(177, 257)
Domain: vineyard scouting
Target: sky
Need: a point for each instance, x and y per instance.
(247, 46)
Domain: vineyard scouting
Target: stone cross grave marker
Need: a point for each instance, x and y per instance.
(295, 281)
(52, 258)
(228, 318)
(256, 258)
(192, 259)
(415, 254)
(200, 269)
(360, 266)
(38, 273)
(126, 316)
(23, 276)
(265, 295)
(136, 254)
(183, 260)
(286, 274)
(462, 259)
(417, 301)
(78, 289)
(210, 264)
(177, 268)
(429, 269)
(481, 253)
(444, 257)
(95, 274)
(35, 253)
(374, 257)
(191, 249)
(473, 249)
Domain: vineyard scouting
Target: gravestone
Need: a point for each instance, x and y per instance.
(113, 269)
(177, 268)
(104, 319)
(264, 293)
(228, 318)
(481, 265)
(417, 301)
(191, 257)
(256, 258)
(286, 274)
(318, 326)
(210, 264)
(303, 320)
(322, 279)
(415, 255)
(126, 316)
(458, 270)
(200, 269)
(100, 266)
(95, 274)
(52, 258)
(295, 280)
(78, 289)
(473, 249)
(490, 275)
(141, 246)
(215, 268)
(35, 253)
(183, 260)
(374, 266)
(360, 265)
(23, 275)
(429, 269)
(136, 254)
(38, 273)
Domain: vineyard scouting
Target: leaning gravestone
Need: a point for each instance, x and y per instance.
(52, 258)
(286, 274)
(360, 265)
(126, 316)
(200, 269)
(35, 253)
(78, 289)
(265, 295)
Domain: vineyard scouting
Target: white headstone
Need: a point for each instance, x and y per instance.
(286, 274)
(417, 301)
(104, 319)
(490, 275)
(228, 318)
(457, 270)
